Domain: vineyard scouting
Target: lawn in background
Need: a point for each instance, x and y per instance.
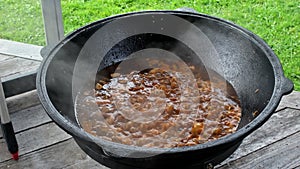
(22, 21)
(276, 21)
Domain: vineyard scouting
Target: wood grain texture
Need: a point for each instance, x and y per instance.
(28, 118)
(34, 139)
(291, 100)
(22, 101)
(18, 49)
(17, 66)
(282, 154)
(88, 163)
(279, 127)
(65, 154)
(44, 145)
(4, 57)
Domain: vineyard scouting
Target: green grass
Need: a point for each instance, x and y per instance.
(21, 20)
(276, 21)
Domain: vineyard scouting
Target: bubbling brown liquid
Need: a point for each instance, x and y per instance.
(168, 105)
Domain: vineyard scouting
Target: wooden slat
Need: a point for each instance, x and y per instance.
(292, 101)
(87, 163)
(65, 154)
(46, 147)
(5, 57)
(28, 118)
(22, 101)
(17, 66)
(278, 127)
(19, 83)
(282, 154)
(35, 139)
(22, 50)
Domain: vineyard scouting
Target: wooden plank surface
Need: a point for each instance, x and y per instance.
(4, 57)
(280, 126)
(28, 118)
(87, 163)
(44, 145)
(61, 155)
(22, 50)
(35, 139)
(282, 154)
(291, 100)
(22, 101)
(17, 66)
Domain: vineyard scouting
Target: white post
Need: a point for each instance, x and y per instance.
(53, 22)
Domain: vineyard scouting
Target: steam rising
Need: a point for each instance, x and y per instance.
(104, 39)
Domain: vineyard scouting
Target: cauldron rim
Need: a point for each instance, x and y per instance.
(282, 86)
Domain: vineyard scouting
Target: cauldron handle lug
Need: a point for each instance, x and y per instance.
(287, 86)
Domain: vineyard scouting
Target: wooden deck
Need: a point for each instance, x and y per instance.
(42, 144)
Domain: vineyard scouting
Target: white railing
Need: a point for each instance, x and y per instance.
(53, 22)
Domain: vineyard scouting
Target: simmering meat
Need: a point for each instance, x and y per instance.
(168, 105)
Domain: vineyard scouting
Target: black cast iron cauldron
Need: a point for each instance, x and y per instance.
(247, 63)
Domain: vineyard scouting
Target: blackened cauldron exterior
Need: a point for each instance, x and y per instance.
(249, 65)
